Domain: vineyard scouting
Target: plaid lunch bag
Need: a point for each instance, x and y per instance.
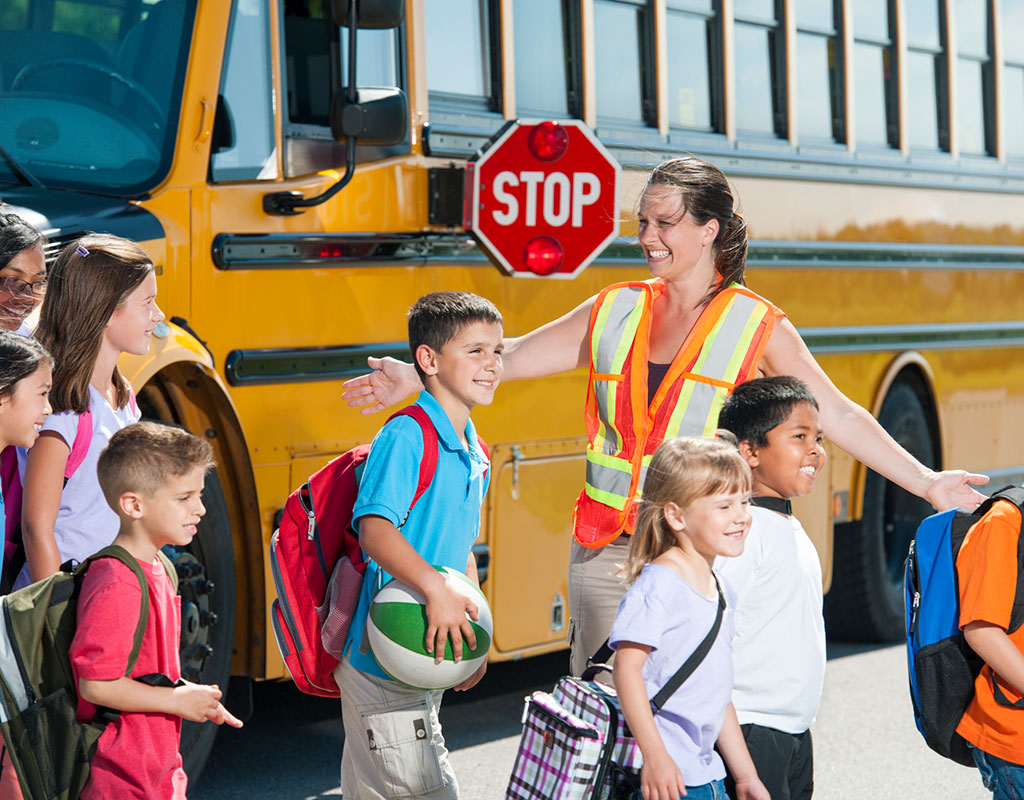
(575, 743)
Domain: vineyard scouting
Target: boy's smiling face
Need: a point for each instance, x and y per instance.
(171, 513)
(789, 464)
(468, 368)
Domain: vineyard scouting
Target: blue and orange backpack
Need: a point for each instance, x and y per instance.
(941, 665)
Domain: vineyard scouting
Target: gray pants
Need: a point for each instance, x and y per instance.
(595, 591)
(394, 748)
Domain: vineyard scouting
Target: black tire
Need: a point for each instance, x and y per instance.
(865, 603)
(206, 574)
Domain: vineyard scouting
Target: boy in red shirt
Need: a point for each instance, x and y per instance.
(152, 476)
(989, 568)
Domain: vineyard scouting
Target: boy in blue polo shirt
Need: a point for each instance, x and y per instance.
(393, 741)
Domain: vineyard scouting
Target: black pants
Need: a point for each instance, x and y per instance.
(784, 761)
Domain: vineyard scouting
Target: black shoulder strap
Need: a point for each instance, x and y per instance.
(695, 658)
(1015, 494)
(596, 662)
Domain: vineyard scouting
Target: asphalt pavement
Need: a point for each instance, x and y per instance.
(865, 742)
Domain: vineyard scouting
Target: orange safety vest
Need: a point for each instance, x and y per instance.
(625, 427)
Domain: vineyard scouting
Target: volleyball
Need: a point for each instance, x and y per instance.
(397, 626)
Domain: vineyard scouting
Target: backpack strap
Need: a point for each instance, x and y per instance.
(83, 438)
(695, 659)
(120, 554)
(428, 464)
(80, 447)
(685, 671)
(172, 573)
(1015, 495)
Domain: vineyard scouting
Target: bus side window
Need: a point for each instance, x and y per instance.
(760, 71)
(624, 43)
(926, 77)
(974, 88)
(874, 76)
(243, 140)
(694, 36)
(462, 50)
(819, 72)
(1013, 80)
(547, 58)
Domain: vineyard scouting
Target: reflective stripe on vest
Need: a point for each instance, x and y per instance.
(625, 426)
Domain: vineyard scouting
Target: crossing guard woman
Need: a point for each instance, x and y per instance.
(663, 354)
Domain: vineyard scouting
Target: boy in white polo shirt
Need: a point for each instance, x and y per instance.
(779, 646)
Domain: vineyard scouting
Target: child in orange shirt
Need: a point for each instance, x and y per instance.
(990, 569)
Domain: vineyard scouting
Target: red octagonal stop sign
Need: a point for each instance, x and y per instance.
(543, 198)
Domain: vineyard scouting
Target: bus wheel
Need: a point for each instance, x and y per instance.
(865, 602)
(206, 583)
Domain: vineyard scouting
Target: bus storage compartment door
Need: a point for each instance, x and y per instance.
(533, 490)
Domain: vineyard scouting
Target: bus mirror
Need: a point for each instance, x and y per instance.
(379, 116)
(378, 14)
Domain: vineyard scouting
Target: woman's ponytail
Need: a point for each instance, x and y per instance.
(731, 255)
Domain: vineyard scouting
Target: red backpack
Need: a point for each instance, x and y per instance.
(318, 566)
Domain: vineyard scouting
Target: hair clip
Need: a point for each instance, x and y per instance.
(81, 251)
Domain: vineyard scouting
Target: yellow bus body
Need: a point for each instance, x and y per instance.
(872, 272)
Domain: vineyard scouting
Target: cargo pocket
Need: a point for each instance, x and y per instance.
(406, 759)
(54, 747)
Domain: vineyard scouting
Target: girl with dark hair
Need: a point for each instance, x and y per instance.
(664, 354)
(22, 272)
(25, 376)
(101, 302)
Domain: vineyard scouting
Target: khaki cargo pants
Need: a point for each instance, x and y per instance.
(393, 744)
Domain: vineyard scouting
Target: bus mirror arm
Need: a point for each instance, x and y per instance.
(373, 115)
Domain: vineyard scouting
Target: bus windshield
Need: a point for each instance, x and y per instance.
(90, 91)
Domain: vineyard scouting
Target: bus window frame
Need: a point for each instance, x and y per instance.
(779, 138)
(940, 57)
(891, 98)
(988, 92)
(716, 62)
(572, 41)
(488, 106)
(646, 126)
(837, 80)
(308, 148)
(214, 152)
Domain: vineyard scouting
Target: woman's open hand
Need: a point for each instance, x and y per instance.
(390, 382)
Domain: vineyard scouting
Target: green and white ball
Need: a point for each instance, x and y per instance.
(397, 627)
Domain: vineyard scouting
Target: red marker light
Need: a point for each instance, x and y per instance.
(543, 255)
(548, 141)
(332, 251)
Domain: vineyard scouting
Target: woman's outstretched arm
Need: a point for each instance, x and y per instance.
(553, 348)
(859, 434)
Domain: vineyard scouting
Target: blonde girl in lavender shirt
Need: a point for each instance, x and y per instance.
(695, 507)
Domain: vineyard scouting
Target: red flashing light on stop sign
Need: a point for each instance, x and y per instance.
(543, 255)
(548, 141)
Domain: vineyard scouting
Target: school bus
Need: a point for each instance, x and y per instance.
(877, 150)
